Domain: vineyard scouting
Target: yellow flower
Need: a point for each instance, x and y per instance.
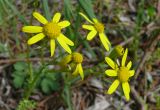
(116, 52)
(78, 59)
(51, 29)
(119, 50)
(74, 58)
(96, 27)
(122, 72)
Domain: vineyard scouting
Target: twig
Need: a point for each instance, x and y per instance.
(6, 61)
(138, 98)
(127, 41)
(46, 99)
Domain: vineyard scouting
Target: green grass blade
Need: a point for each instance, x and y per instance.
(46, 9)
(68, 14)
(4, 7)
(87, 7)
(68, 9)
(15, 11)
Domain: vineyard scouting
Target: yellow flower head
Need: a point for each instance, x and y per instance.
(51, 29)
(117, 51)
(122, 73)
(77, 59)
(96, 27)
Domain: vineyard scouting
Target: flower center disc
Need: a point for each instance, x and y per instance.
(123, 74)
(99, 27)
(52, 30)
(77, 57)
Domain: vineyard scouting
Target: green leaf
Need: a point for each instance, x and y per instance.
(55, 85)
(26, 105)
(48, 86)
(51, 76)
(19, 74)
(18, 81)
(45, 86)
(20, 66)
(151, 11)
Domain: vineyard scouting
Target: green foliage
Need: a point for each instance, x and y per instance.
(26, 105)
(20, 74)
(151, 12)
(68, 14)
(25, 74)
(68, 9)
(14, 10)
(50, 82)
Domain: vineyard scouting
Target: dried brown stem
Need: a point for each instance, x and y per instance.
(7, 61)
(138, 98)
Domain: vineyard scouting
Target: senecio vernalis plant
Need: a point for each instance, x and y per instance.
(52, 30)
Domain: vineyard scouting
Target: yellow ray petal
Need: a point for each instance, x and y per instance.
(64, 45)
(67, 41)
(124, 57)
(131, 72)
(111, 72)
(126, 90)
(113, 87)
(111, 63)
(35, 38)
(52, 46)
(89, 27)
(104, 41)
(81, 71)
(85, 17)
(40, 18)
(64, 24)
(95, 20)
(66, 60)
(56, 17)
(129, 65)
(32, 29)
(91, 35)
(75, 71)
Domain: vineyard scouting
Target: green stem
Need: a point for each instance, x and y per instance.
(30, 72)
(66, 91)
(68, 96)
(33, 83)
